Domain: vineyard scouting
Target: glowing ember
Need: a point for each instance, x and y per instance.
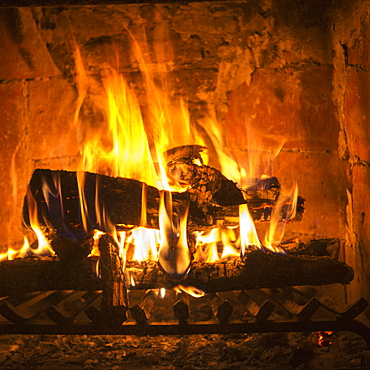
(194, 292)
(323, 338)
(161, 293)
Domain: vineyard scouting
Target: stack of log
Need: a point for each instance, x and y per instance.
(214, 201)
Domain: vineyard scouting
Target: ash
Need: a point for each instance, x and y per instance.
(242, 351)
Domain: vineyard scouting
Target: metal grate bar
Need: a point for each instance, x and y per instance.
(141, 313)
(258, 312)
(301, 312)
(349, 311)
(221, 308)
(67, 310)
(33, 307)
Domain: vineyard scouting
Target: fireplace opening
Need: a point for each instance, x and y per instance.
(239, 142)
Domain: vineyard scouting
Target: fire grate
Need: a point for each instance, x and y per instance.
(294, 309)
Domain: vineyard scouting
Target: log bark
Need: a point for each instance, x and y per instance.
(257, 270)
(119, 200)
(114, 304)
(34, 274)
(112, 275)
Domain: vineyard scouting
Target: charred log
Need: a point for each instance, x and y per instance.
(119, 200)
(257, 270)
(30, 274)
(70, 249)
(114, 305)
(207, 185)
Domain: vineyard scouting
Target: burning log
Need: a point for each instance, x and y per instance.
(60, 203)
(257, 269)
(34, 274)
(114, 305)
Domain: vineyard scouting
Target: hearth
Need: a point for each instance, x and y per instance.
(231, 109)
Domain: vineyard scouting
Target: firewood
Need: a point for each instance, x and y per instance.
(113, 278)
(70, 249)
(34, 274)
(114, 305)
(118, 201)
(257, 270)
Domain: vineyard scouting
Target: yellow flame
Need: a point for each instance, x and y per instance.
(43, 244)
(125, 145)
(174, 254)
(146, 242)
(275, 232)
(132, 280)
(206, 246)
(194, 292)
(95, 252)
(161, 293)
(11, 253)
(227, 235)
(248, 232)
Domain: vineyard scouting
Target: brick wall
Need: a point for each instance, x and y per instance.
(294, 70)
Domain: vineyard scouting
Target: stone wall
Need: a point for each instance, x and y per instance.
(351, 95)
(294, 70)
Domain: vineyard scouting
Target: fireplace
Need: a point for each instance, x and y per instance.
(294, 71)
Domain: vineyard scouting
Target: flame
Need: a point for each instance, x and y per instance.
(194, 292)
(174, 254)
(206, 246)
(227, 235)
(131, 141)
(146, 242)
(43, 246)
(11, 253)
(275, 231)
(248, 232)
(126, 145)
(323, 338)
(161, 293)
(132, 280)
(95, 252)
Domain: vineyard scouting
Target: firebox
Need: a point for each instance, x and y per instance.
(229, 138)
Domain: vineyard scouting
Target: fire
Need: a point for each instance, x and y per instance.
(275, 232)
(145, 242)
(323, 338)
(248, 232)
(131, 141)
(194, 292)
(206, 246)
(174, 255)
